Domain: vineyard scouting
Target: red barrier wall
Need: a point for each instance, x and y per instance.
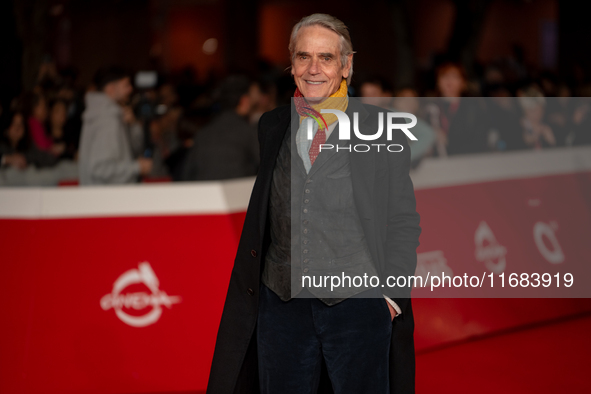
(56, 336)
(130, 302)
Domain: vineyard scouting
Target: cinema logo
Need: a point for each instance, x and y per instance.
(547, 243)
(150, 303)
(345, 131)
(488, 250)
(430, 264)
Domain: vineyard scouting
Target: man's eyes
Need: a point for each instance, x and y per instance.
(325, 58)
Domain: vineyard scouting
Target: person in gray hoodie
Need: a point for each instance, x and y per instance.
(111, 140)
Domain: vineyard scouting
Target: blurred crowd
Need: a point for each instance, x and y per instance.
(492, 116)
(173, 128)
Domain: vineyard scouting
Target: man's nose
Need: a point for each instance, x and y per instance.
(314, 66)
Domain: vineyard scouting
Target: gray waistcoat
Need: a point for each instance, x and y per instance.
(325, 237)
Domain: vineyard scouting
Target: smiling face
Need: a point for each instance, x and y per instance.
(316, 65)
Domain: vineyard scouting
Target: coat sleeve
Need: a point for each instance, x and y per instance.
(189, 167)
(403, 229)
(261, 132)
(108, 162)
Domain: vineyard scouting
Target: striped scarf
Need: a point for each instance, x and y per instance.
(337, 100)
(309, 150)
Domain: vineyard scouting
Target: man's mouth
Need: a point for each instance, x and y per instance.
(315, 82)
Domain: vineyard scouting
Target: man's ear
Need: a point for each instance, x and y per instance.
(347, 68)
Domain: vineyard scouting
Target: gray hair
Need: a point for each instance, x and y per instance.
(331, 23)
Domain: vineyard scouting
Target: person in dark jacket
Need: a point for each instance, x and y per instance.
(314, 209)
(227, 147)
(461, 123)
(62, 130)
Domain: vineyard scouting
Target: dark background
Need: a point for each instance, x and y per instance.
(400, 40)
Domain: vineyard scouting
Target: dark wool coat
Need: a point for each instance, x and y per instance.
(385, 200)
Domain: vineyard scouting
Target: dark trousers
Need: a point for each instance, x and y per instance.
(352, 336)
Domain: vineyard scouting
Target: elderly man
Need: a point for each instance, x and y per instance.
(316, 209)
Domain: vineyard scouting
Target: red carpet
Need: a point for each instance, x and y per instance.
(547, 358)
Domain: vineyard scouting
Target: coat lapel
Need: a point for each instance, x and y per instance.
(296, 160)
(273, 139)
(363, 165)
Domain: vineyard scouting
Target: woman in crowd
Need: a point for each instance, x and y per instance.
(460, 123)
(15, 142)
(36, 111)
